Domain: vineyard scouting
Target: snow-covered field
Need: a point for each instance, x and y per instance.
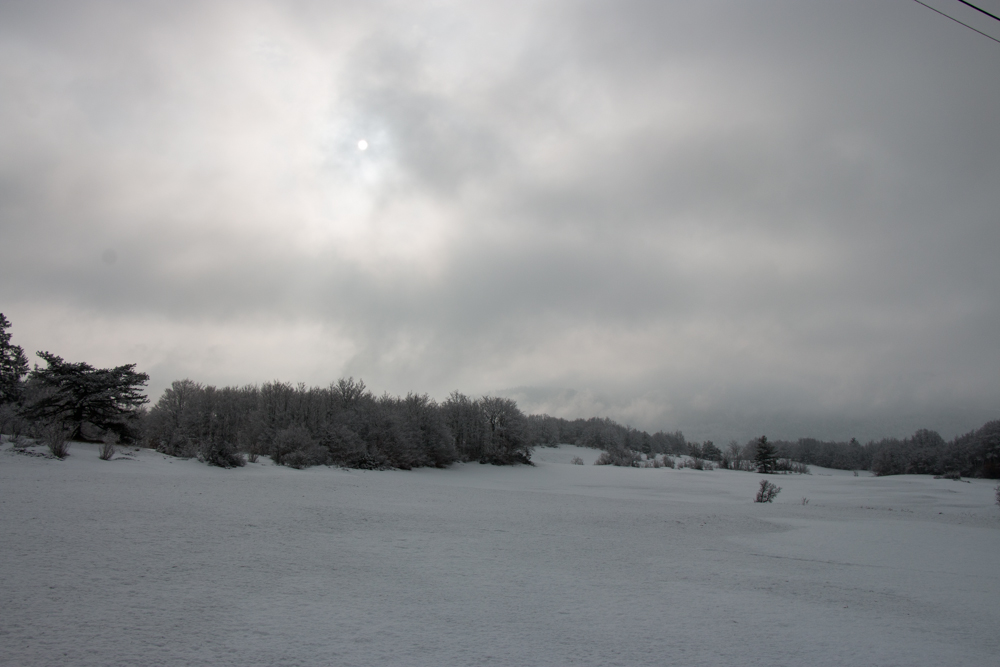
(146, 560)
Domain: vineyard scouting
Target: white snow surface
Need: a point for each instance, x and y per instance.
(149, 560)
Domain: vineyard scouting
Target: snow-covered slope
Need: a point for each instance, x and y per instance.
(148, 560)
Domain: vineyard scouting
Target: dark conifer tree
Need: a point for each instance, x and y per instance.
(766, 456)
(13, 365)
(76, 394)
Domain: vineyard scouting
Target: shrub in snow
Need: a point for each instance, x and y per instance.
(766, 492)
(668, 462)
(998, 495)
(299, 459)
(55, 439)
(577, 461)
(180, 445)
(788, 465)
(507, 458)
(220, 453)
(698, 464)
(619, 457)
(373, 460)
(295, 447)
(107, 449)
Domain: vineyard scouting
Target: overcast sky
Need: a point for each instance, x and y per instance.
(719, 217)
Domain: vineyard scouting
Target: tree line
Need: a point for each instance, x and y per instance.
(346, 424)
(974, 454)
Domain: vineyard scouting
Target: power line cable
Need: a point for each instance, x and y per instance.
(980, 10)
(957, 21)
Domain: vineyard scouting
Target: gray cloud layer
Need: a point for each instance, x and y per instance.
(718, 217)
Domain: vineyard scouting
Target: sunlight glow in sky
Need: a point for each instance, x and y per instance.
(720, 217)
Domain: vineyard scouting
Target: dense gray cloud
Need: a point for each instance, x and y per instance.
(722, 217)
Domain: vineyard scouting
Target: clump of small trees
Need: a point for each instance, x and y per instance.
(975, 454)
(343, 424)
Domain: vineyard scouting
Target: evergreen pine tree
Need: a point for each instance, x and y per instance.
(13, 365)
(78, 394)
(766, 457)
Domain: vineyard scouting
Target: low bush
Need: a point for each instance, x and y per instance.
(177, 445)
(507, 458)
(626, 458)
(577, 461)
(220, 453)
(55, 436)
(728, 462)
(998, 495)
(304, 458)
(696, 463)
(788, 465)
(107, 449)
(297, 459)
(372, 460)
(766, 492)
(295, 447)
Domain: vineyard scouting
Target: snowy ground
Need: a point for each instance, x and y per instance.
(147, 560)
